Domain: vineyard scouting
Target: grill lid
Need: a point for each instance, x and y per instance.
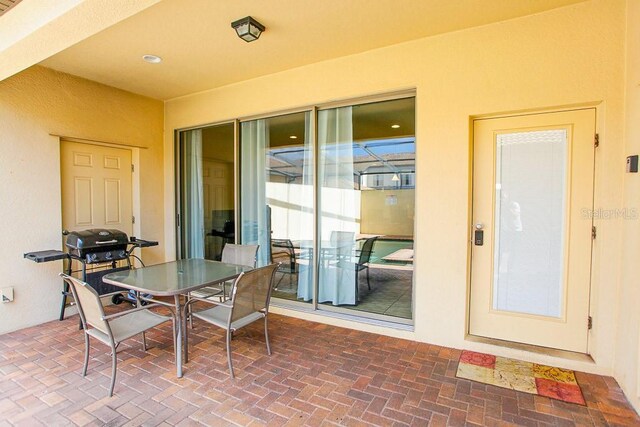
(96, 240)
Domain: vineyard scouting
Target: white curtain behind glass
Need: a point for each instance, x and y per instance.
(305, 227)
(339, 204)
(253, 206)
(193, 221)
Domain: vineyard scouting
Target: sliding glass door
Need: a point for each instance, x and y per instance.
(366, 196)
(276, 203)
(328, 194)
(206, 191)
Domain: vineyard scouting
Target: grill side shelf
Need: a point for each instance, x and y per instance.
(46, 256)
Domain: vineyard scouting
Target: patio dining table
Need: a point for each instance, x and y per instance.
(176, 279)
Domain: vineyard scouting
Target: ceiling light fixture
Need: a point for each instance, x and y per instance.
(395, 177)
(395, 126)
(293, 137)
(152, 59)
(248, 29)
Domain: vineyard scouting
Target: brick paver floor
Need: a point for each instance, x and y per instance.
(318, 375)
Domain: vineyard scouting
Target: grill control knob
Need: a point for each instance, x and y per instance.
(92, 257)
(121, 254)
(108, 255)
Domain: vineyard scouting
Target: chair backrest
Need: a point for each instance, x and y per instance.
(282, 250)
(367, 250)
(251, 291)
(89, 304)
(240, 254)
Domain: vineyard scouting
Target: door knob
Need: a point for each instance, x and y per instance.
(65, 232)
(479, 226)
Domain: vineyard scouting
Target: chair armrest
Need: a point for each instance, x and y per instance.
(194, 299)
(157, 302)
(123, 313)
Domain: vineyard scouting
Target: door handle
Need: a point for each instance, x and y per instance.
(478, 234)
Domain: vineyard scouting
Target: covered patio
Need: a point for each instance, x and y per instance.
(318, 375)
(144, 87)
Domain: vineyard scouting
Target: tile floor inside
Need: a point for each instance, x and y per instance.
(318, 375)
(390, 294)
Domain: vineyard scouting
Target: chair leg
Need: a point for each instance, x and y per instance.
(86, 355)
(266, 334)
(173, 332)
(114, 365)
(229, 353)
(144, 342)
(190, 308)
(186, 333)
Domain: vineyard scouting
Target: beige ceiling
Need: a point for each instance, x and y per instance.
(200, 50)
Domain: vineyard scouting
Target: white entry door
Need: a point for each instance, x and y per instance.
(96, 187)
(531, 250)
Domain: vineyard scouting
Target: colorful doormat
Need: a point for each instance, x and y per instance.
(528, 377)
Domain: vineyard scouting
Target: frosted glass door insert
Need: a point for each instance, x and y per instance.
(530, 216)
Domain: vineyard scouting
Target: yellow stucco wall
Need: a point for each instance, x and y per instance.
(380, 216)
(568, 56)
(34, 104)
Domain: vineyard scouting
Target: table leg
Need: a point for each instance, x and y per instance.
(179, 332)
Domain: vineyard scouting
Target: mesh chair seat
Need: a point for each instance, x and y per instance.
(219, 316)
(129, 326)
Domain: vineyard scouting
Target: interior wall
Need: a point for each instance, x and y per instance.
(388, 212)
(627, 353)
(564, 57)
(33, 105)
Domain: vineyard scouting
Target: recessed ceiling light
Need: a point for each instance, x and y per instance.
(293, 137)
(395, 126)
(152, 59)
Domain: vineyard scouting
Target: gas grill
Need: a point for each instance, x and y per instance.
(98, 252)
(97, 246)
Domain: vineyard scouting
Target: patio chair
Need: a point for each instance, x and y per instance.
(249, 302)
(114, 328)
(231, 254)
(283, 252)
(362, 263)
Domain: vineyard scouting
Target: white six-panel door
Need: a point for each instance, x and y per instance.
(96, 187)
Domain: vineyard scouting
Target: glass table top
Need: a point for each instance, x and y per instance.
(176, 277)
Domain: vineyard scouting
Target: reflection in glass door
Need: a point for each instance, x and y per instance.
(366, 176)
(206, 164)
(277, 199)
